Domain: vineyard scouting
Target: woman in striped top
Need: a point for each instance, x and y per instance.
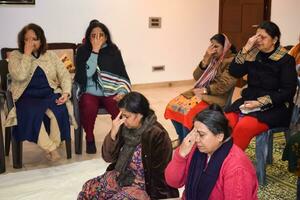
(102, 77)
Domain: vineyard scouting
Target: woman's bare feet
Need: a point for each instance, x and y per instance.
(53, 155)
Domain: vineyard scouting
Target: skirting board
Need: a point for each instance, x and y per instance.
(162, 84)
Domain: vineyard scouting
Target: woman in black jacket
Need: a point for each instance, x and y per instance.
(267, 101)
(102, 77)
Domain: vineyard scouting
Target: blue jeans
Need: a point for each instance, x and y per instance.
(181, 130)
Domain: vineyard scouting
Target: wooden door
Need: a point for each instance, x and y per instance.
(238, 19)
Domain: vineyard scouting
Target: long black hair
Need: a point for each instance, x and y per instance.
(214, 119)
(105, 30)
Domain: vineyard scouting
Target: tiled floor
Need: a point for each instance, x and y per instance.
(159, 96)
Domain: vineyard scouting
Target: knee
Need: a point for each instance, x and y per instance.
(87, 110)
(232, 119)
(50, 114)
(88, 105)
(243, 132)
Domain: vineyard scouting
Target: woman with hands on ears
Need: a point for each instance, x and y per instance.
(139, 149)
(267, 101)
(41, 87)
(209, 165)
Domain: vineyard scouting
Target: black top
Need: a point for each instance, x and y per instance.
(276, 78)
(109, 60)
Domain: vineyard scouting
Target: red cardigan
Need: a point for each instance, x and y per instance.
(237, 178)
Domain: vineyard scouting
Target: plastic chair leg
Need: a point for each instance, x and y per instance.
(17, 153)
(261, 151)
(2, 155)
(7, 140)
(68, 149)
(78, 139)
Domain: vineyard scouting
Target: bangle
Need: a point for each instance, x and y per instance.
(207, 90)
(261, 103)
(244, 51)
(204, 65)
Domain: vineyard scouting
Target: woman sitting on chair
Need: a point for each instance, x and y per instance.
(209, 165)
(267, 102)
(102, 77)
(139, 149)
(213, 85)
(40, 86)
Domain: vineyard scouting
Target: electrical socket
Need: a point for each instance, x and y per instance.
(158, 68)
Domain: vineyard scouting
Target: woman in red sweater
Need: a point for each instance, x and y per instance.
(209, 165)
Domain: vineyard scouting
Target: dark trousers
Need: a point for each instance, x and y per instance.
(88, 107)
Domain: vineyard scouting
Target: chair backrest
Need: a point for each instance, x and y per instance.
(229, 98)
(3, 74)
(288, 47)
(65, 51)
(6, 51)
(63, 48)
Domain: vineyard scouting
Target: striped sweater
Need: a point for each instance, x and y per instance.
(112, 84)
(106, 71)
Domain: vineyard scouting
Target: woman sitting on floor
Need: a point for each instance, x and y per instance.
(41, 87)
(139, 149)
(213, 85)
(209, 165)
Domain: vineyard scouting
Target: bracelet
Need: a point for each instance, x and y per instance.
(261, 103)
(203, 68)
(206, 91)
(243, 51)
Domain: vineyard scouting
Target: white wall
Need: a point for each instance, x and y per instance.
(286, 14)
(179, 44)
